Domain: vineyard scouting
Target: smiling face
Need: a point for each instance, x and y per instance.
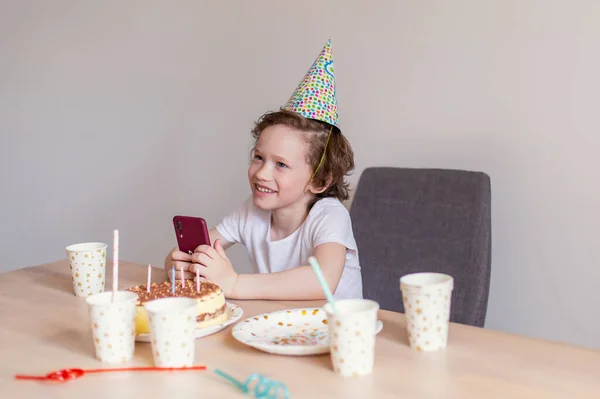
(279, 172)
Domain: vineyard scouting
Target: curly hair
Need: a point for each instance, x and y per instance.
(338, 161)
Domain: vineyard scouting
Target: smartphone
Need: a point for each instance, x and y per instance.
(191, 232)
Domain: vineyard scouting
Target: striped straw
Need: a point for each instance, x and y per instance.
(115, 262)
(317, 269)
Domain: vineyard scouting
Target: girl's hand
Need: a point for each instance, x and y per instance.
(182, 261)
(214, 266)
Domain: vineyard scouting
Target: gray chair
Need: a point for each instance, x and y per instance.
(415, 220)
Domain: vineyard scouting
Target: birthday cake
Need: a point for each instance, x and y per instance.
(210, 299)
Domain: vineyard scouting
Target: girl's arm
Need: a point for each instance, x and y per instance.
(299, 283)
(215, 235)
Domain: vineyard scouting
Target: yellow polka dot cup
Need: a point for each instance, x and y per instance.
(426, 298)
(87, 262)
(113, 325)
(352, 336)
(172, 325)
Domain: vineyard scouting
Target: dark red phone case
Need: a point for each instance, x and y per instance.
(191, 233)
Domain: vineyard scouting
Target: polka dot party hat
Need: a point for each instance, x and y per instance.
(315, 97)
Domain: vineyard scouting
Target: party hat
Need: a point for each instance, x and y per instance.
(315, 97)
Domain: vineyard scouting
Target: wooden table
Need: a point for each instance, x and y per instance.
(44, 327)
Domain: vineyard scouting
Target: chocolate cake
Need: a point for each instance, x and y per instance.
(211, 302)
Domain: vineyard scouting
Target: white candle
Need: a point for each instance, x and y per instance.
(149, 277)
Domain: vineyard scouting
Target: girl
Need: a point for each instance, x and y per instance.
(297, 176)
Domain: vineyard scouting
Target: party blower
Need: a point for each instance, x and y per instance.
(256, 385)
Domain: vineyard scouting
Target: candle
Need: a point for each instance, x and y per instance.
(173, 279)
(149, 277)
(182, 279)
(115, 262)
(197, 280)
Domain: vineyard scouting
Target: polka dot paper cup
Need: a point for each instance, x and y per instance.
(113, 325)
(87, 262)
(352, 336)
(426, 298)
(172, 325)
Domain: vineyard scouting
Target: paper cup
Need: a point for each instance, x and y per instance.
(113, 325)
(87, 262)
(426, 298)
(352, 336)
(172, 326)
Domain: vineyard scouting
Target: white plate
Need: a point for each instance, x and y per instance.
(234, 313)
(300, 331)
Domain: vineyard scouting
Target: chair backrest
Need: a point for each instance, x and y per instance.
(416, 220)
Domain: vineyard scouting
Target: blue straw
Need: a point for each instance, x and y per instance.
(241, 386)
(264, 388)
(173, 279)
(317, 269)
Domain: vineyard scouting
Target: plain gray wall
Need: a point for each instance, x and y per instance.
(121, 114)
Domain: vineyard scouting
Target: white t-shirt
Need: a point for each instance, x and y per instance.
(327, 221)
